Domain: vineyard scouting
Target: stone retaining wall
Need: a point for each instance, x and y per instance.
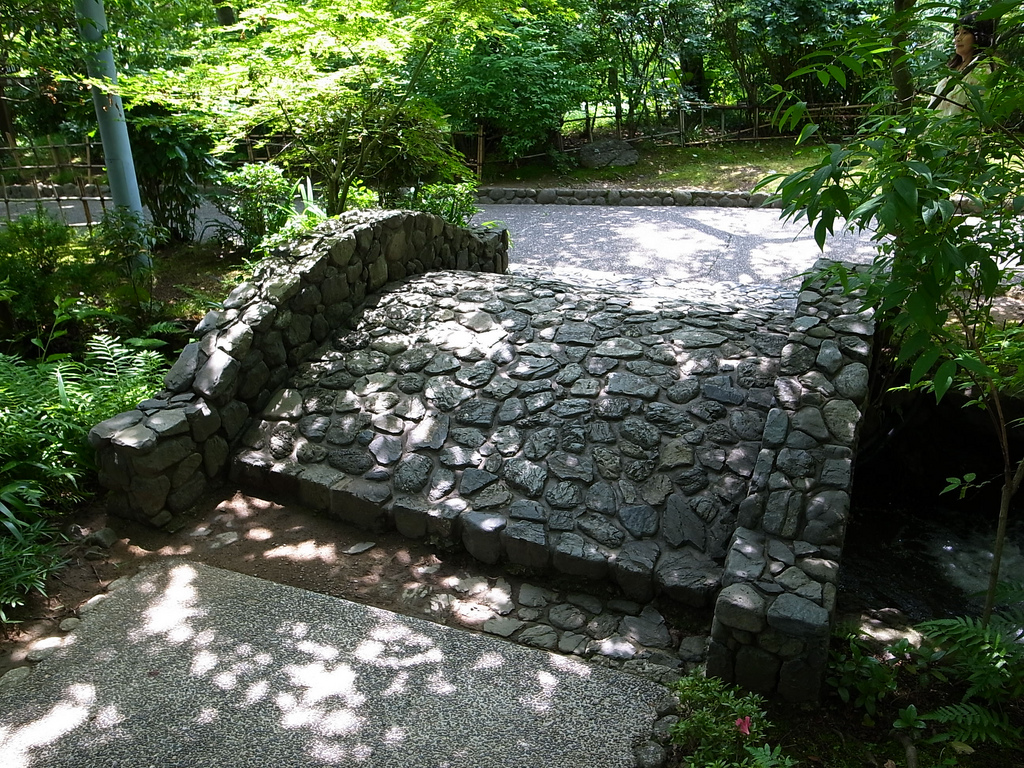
(505, 196)
(494, 196)
(773, 615)
(158, 459)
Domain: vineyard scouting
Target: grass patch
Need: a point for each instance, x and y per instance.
(726, 166)
(193, 278)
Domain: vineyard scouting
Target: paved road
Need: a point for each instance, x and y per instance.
(737, 245)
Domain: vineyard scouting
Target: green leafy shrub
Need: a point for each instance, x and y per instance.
(310, 215)
(173, 160)
(988, 659)
(35, 259)
(259, 199)
(360, 197)
(718, 728)
(455, 203)
(860, 677)
(29, 545)
(38, 236)
(123, 243)
(47, 409)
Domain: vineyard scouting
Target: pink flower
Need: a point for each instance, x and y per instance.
(743, 723)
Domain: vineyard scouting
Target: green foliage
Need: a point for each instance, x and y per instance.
(910, 721)
(47, 409)
(986, 659)
(455, 203)
(29, 546)
(123, 242)
(38, 236)
(718, 727)
(981, 663)
(859, 677)
(37, 261)
(309, 216)
(941, 197)
(259, 199)
(518, 83)
(974, 723)
(387, 139)
(172, 150)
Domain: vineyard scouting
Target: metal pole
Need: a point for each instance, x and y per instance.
(117, 151)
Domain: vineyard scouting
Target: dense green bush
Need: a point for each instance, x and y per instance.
(46, 411)
(259, 198)
(517, 82)
(455, 203)
(718, 728)
(37, 265)
(173, 162)
(29, 545)
(122, 247)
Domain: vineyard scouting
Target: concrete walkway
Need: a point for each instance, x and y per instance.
(187, 665)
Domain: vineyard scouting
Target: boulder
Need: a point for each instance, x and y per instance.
(611, 152)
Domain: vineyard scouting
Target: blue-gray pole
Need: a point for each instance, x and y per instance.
(117, 151)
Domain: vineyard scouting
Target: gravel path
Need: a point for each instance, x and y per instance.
(606, 244)
(691, 244)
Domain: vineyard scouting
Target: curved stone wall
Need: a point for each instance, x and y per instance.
(157, 459)
(524, 196)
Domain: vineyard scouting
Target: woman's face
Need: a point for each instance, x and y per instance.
(963, 42)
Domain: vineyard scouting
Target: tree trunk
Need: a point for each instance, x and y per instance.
(613, 86)
(1011, 483)
(902, 79)
(225, 15)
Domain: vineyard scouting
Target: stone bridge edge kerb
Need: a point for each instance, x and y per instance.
(158, 459)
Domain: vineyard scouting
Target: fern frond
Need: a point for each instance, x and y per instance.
(989, 658)
(1010, 593)
(974, 723)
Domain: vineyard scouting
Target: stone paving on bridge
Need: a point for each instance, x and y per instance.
(603, 433)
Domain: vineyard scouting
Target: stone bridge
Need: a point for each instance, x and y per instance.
(391, 374)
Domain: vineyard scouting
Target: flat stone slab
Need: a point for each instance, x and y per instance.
(185, 664)
(539, 422)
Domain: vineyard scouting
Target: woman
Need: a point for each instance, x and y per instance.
(971, 41)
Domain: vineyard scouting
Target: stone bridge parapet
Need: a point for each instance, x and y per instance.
(157, 460)
(773, 617)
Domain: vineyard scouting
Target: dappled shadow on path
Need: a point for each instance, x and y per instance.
(743, 246)
(199, 666)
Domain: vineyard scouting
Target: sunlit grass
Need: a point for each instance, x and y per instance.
(721, 166)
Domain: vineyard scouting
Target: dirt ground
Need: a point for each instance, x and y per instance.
(280, 542)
